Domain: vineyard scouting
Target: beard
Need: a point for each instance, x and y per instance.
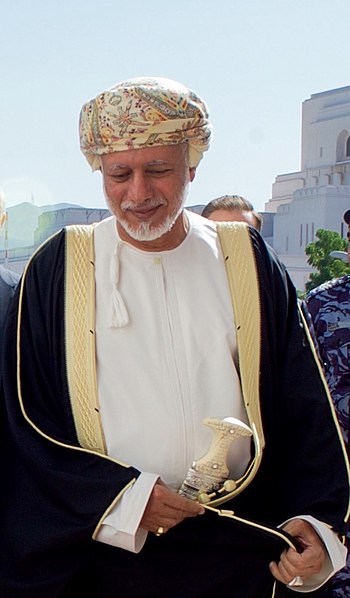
(146, 231)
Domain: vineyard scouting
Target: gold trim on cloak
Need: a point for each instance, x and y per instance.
(80, 337)
(243, 285)
(21, 399)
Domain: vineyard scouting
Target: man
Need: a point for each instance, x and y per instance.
(125, 345)
(8, 281)
(329, 308)
(232, 208)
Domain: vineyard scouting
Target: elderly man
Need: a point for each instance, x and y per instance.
(131, 335)
(232, 208)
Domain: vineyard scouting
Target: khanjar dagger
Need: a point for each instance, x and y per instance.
(208, 476)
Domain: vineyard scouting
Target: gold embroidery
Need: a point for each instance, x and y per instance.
(80, 337)
(243, 283)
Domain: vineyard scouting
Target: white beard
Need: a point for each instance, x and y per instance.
(145, 231)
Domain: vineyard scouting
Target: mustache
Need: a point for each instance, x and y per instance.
(130, 204)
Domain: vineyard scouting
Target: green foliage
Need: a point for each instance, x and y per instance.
(327, 267)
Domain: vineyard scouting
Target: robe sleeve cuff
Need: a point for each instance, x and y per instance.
(335, 560)
(121, 526)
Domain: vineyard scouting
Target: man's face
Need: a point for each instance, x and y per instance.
(146, 190)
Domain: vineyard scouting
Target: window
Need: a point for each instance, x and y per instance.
(343, 146)
(347, 153)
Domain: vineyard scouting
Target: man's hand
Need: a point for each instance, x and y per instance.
(166, 509)
(303, 564)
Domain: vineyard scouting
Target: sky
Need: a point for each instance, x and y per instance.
(253, 61)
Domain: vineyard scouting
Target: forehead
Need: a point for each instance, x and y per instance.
(222, 215)
(145, 155)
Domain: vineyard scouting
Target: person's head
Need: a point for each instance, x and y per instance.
(232, 208)
(147, 136)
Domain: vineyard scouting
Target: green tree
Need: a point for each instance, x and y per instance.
(327, 267)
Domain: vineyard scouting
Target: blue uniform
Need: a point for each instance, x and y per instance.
(329, 307)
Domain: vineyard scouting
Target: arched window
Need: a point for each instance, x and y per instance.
(343, 146)
(347, 153)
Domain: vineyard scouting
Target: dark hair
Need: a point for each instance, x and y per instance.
(232, 202)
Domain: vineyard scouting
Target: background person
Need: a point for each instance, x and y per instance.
(230, 208)
(124, 344)
(329, 308)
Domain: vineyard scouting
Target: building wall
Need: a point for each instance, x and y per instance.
(51, 222)
(318, 195)
(48, 224)
(325, 128)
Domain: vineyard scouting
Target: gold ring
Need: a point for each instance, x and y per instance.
(296, 582)
(159, 531)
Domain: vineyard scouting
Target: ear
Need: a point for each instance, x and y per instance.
(193, 171)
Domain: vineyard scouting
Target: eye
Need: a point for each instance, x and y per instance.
(159, 171)
(120, 176)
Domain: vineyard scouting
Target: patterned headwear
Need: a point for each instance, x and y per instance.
(140, 113)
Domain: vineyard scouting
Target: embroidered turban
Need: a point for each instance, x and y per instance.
(143, 113)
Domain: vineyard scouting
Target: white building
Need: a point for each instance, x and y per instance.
(48, 220)
(318, 195)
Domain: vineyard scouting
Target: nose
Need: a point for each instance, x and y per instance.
(140, 187)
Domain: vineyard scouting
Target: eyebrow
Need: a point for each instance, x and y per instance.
(120, 165)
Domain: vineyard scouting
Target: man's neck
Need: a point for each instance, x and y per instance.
(170, 240)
